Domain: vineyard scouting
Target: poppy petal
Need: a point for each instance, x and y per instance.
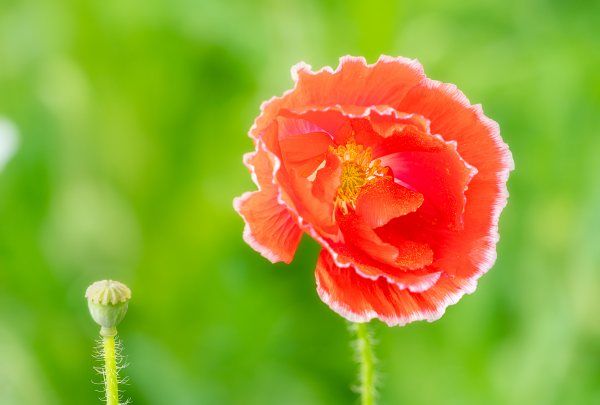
(326, 180)
(412, 254)
(337, 120)
(270, 228)
(384, 199)
(303, 144)
(362, 240)
(434, 168)
(356, 83)
(471, 252)
(297, 192)
(360, 299)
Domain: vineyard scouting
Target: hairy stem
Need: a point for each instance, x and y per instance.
(111, 381)
(366, 358)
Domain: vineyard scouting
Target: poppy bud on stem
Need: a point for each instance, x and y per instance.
(366, 358)
(107, 302)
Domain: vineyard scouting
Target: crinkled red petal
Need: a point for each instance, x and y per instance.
(270, 227)
(383, 199)
(361, 299)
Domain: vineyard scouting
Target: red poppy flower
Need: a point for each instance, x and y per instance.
(398, 177)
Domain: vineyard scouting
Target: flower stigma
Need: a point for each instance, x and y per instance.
(358, 169)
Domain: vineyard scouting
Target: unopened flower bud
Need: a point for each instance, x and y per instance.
(107, 302)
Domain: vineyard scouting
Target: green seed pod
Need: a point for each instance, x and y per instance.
(107, 302)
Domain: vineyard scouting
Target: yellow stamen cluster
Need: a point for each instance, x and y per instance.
(358, 169)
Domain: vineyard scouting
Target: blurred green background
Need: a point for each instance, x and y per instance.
(133, 117)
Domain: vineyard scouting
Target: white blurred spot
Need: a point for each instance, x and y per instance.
(9, 141)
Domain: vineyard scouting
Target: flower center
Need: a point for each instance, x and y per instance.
(358, 169)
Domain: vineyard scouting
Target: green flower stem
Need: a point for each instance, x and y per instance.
(111, 381)
(366, 358)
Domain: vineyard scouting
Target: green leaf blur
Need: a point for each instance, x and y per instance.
(132, 118)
